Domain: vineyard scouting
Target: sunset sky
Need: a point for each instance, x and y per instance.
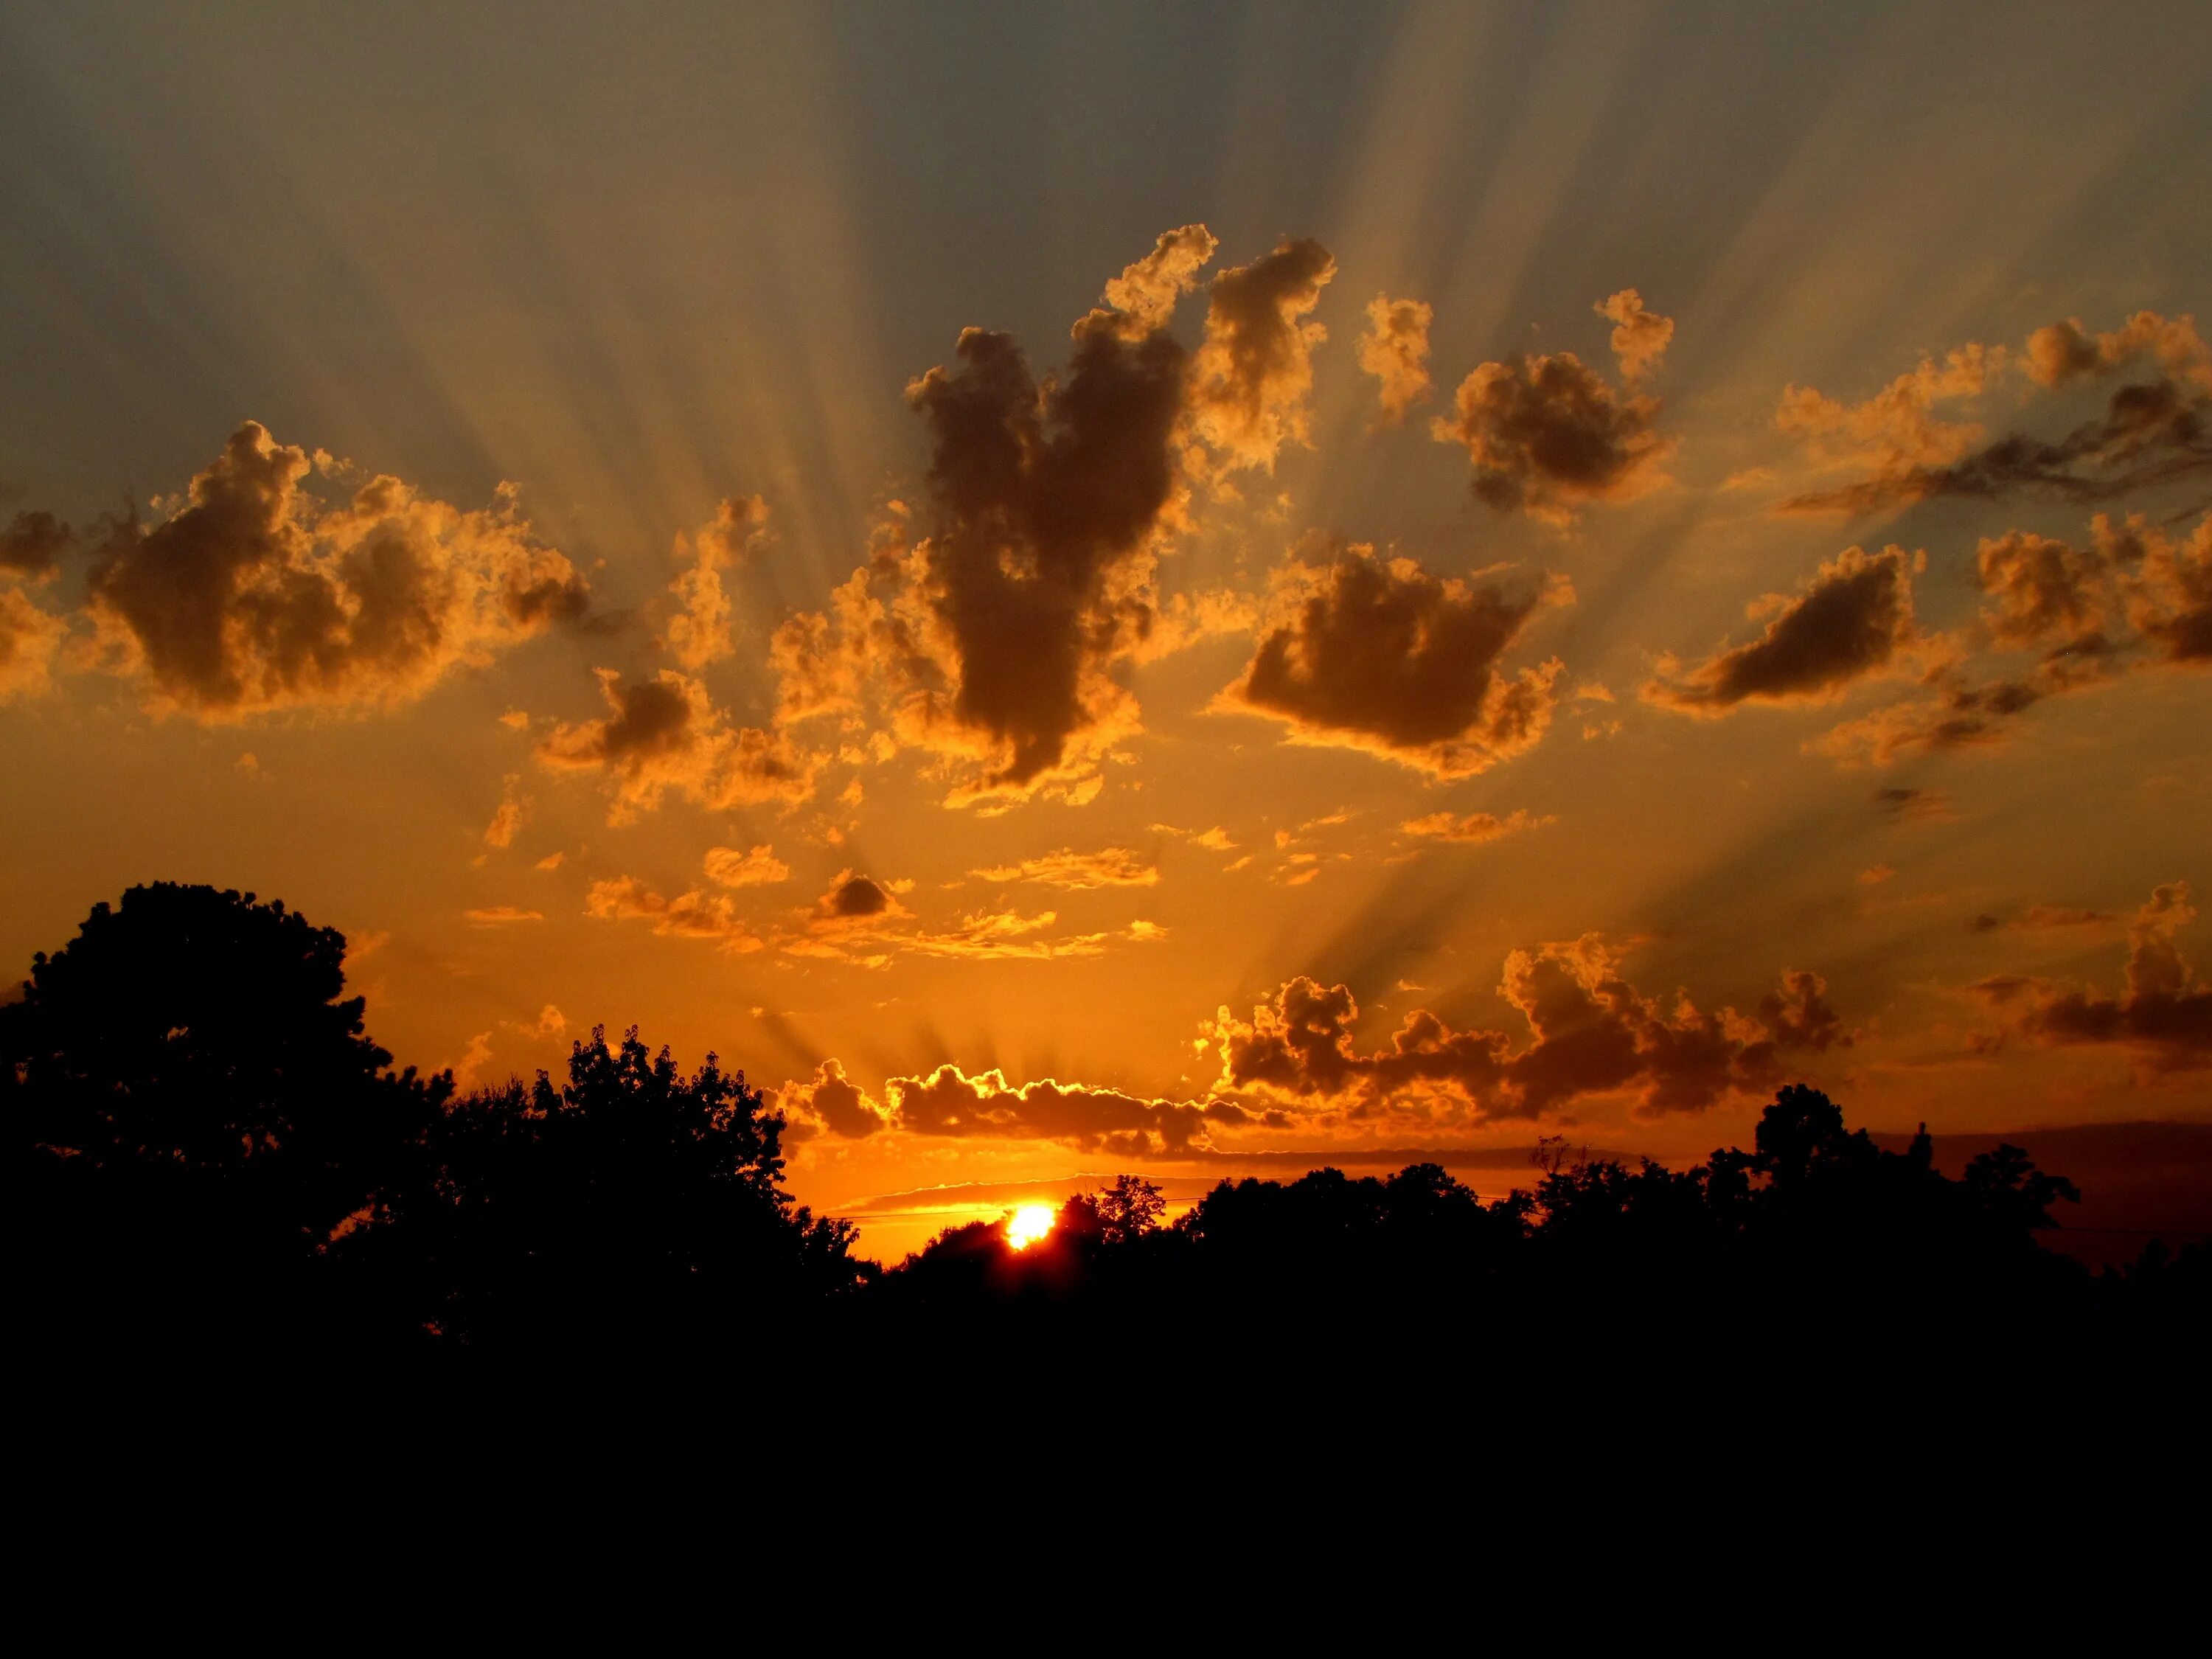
(1197, 589)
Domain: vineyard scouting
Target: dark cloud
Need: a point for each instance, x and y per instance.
(665, 733)
(1380, 655)
(834, 1102)
(1546, 434)
(32, 543)
(1852, 621)
(1590, 1032)
(2165, 1014)
(253, 595)
(1907, 805)
(853, 895)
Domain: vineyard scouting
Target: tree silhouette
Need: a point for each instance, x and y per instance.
(1131, 1206)
(199, 1114)
(632, 1207)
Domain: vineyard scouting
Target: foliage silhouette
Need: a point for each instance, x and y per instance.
(198, 1115)
(221, 1166)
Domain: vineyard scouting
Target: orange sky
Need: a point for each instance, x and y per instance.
(1477, 574)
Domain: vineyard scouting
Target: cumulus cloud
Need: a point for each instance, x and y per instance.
(1547, 435)
(2152, 431)
(1254, 370)
(832, 1102)
(501, 916)
(699, 631)
(1853, 620)
(664, 734)
(695, 915)
(1214, 839)
(989, 640)
(1590, 1032)
(254, 596)
(1110, 866)
(949, 1102)
(2133, 598)
(2061, 353)
(1640, 338)
(29, 639)
(514, 813)
(759, 867)
(32, 543)
(1380, 655)
(2164, 1016)
(1395, 351)
(1474, 827)
(1142, 299)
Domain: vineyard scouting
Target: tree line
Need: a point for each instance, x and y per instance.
(221, 1166)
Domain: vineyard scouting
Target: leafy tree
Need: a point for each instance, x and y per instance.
(1128, 1208)
(632, 1206)
(200, 1114)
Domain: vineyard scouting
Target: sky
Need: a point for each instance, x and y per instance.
(1212, 590)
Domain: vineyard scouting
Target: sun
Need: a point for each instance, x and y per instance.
(1028, 1225)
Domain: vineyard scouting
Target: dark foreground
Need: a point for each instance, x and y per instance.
(222, 1173)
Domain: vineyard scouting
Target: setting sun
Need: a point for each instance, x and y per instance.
(1028, 1225)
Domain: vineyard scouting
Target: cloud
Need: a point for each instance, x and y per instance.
(1909, 805)
(29, 639)
(1547, 435)
(832, 1102)
(514, 813)
(2165, 1014)
(1215, 839)
(665, 733)
(990, 641)
(1474, 827)
(694, 914)
(1852, 621)
(501, 916)
(1395, 351)
(2133, 599)
(2169, 586)
(1382, 656)
(1253, 369)
(760, 867)
(550, 861)
(32, 544)
(1590, 1032)
(1110, 866)
(949, 1103)
(254, 597)
(2153, 431)
(699, 632)
(2061, 353)
(2043, 917)
(550, 1022)
(1875, 874)
(1640, 338)
(1142, 299)
(855, 897)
